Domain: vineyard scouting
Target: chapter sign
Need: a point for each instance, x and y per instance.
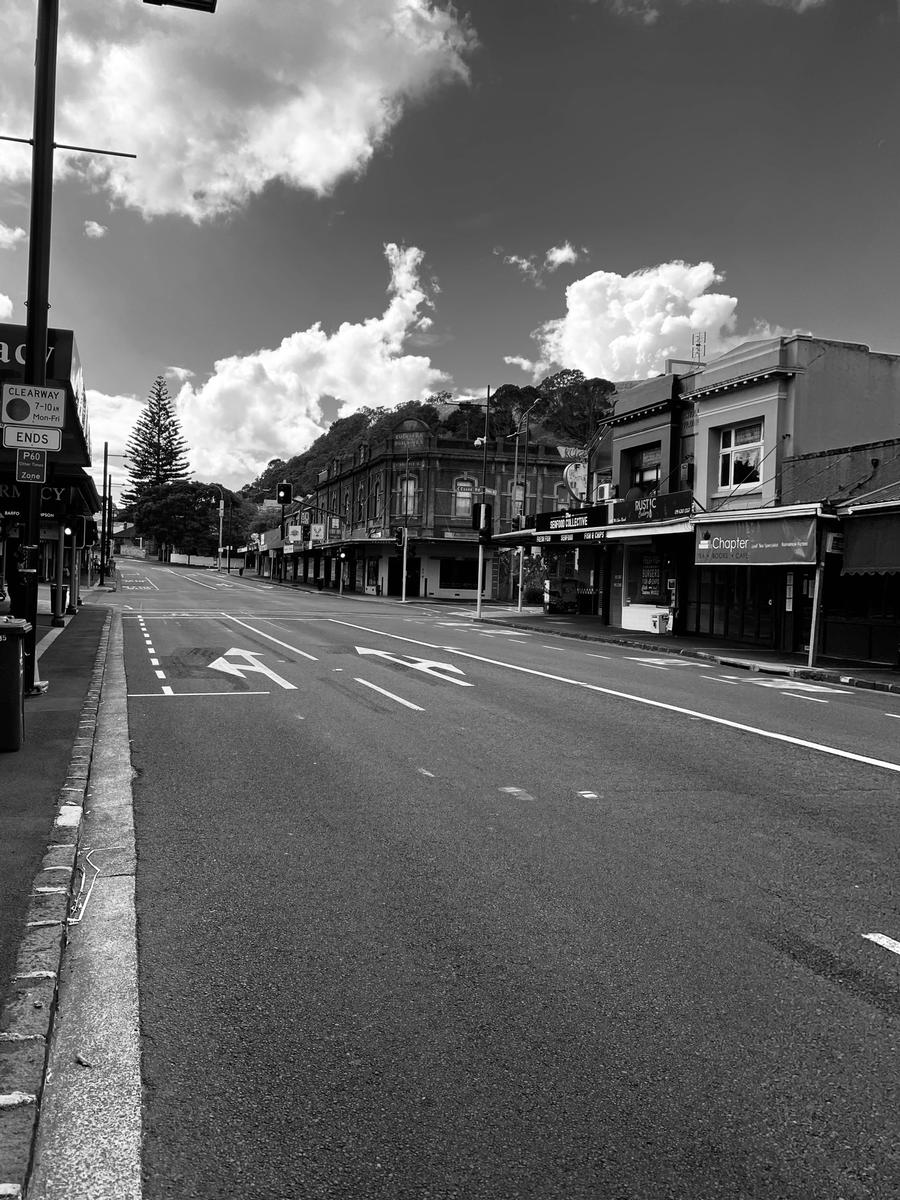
(779, 541)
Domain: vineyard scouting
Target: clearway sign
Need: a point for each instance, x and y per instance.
(37, 407)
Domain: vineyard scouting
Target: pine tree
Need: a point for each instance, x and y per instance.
(157, 452)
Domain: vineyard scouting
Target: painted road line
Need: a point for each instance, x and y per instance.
(589, 795)
(645, 662)
(519, 793)
(422, 771)
(798, 696)
(160, 674)
(719, 679)
(277, 641)
(646, 701)
(154, 662)
(390, 695)
(606, 656)
(167, 692)
(895, 716)
(881, 940)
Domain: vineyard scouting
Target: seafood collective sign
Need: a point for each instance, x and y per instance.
(775, 542)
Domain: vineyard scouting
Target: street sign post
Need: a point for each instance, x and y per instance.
(31, 466)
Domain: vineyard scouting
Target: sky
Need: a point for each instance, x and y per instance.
(354, 203)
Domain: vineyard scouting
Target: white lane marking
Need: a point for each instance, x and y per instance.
(646, 662)
(895, 716)
(190, 579)
(811, 699)
(719, 679)
(277, 641)
(167, 691)
(546, 647)
(249, 664)
(589, 655)
(422, 771)
(519, 793)
(820, 748)
(390, 695)
(881, 940)
(790, 685)
(428, 666)
(160, 674)
(154, 662)
(589, 795)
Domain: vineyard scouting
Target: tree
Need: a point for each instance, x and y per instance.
(157, 452)
(177, 515)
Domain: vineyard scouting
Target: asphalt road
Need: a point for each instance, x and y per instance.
(428, 908)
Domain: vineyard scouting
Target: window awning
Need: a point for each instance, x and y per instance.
(872, 545)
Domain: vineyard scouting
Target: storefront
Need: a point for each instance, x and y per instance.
(862, 589)
(650, 542)
(754, 577)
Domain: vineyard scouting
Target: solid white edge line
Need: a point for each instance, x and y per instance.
(595, 687)
(286, 645)
(390, 695)
(881, 940)
(167, 693)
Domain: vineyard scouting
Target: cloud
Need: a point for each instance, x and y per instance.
(10, 237)
(535, 268)
(649, 11)
(6, 307)
(626, 326)
(270, 403)
(181, 374)
(92, 229)
(218, 106)
(111, 420)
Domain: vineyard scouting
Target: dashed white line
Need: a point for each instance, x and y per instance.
(797, 696)
(719, 679)
(881, 940)
(589, 795)
(589, 655)
(519, 793)
(422, 771)
(390, 695)
(160, 674)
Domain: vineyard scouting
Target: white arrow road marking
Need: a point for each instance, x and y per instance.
(427, 665)
(790, 685)
(249, 664)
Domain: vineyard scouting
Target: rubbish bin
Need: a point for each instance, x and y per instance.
(55, 606)
(12, 683)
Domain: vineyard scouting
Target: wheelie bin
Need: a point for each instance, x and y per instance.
(12, 682)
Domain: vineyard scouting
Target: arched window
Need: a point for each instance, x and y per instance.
(407, 495)
(360, 504)
(463, 491)
(562, 497)
(375, 513)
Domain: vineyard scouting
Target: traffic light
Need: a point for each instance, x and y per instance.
(77, 529)
(284, 493)
(483, 521)
(397, 532)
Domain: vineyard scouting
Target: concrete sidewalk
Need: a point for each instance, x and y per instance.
(43, 787)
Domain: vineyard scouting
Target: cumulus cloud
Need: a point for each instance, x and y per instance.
(111, 420)
(626, 326)
(93, 229)
(649, 11)
(270, 403)
(181, 374)
(10, 236)
(6, 307)
(535, 267)
(216, 107)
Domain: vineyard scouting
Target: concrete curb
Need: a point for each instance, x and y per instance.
(725, 660)
(26, 1019)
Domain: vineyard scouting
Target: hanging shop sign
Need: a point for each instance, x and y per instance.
(672, 506)
(774, 542)
(564, 521)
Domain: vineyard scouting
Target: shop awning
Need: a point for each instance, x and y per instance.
(872, 545)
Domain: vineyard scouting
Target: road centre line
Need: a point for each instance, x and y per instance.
(606, 656)
(287, 645)
(190, 579)
(719, 679)
(390, 695)
(797, 696)
(646, 701)
(880, 940)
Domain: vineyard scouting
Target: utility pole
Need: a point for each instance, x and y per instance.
(39, 290)
(405, 525)
(103, 517)
(487, 409)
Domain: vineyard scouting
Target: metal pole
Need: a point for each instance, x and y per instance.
(816, 607)
(109, 524)
(487, 409)
(228, 549)
(221, 512)
(405, 526)
(103, 517)
(514, 496)
(524, 496)
(58, 608)
(39, 284)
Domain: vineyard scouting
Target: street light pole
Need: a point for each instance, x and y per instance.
(405, 525)
(487, 409)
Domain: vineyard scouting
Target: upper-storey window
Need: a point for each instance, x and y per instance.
(645, 468)
(740, 455)
(463, 490)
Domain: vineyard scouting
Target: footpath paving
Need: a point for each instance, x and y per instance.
(44, 787)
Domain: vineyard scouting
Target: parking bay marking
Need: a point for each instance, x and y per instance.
(249, 664)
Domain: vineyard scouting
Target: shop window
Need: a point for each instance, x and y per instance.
(463, 490)
(458, 573)
(740, 455)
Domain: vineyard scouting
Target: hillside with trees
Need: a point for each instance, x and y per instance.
(564, 407)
